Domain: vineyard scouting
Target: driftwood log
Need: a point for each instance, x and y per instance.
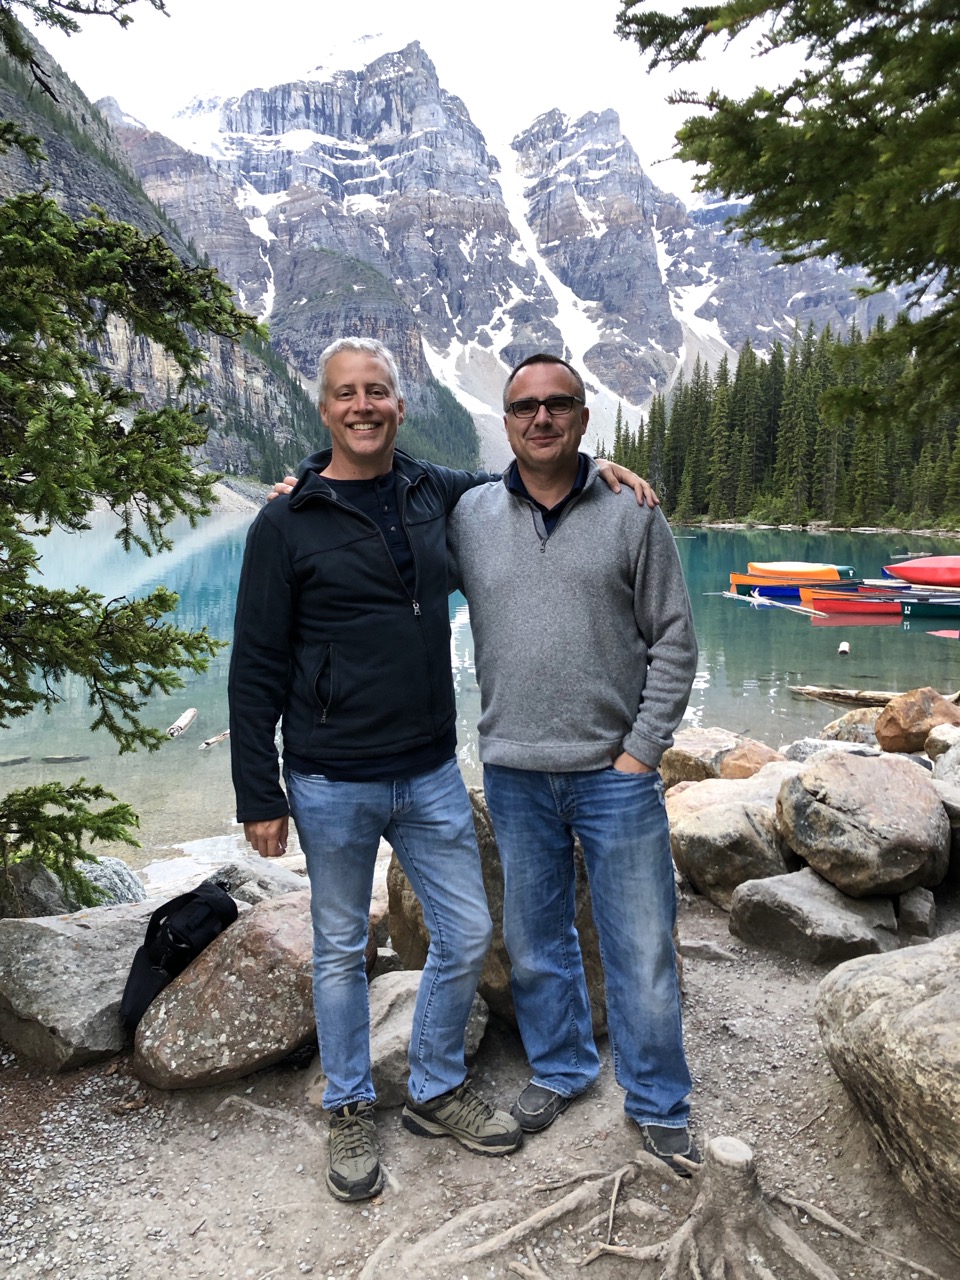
(854, 697)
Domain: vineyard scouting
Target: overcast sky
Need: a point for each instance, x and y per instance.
(509, 60)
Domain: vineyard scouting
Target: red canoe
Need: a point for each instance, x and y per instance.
(928, 571)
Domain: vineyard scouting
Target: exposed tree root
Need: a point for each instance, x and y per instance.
(828, 1220)
(423, 1250)
(533, 1272)
(731, 1233)
(582, 1197)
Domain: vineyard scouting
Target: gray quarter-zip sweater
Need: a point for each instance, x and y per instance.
(584, 641)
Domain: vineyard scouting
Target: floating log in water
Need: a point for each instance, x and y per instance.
(6, 761)
(858, 697)
(212, 742)
(63, 759)
(182, 722)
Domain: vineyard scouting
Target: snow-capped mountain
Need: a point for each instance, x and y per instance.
(367, 202)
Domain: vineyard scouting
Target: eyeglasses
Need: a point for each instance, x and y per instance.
(556, 406)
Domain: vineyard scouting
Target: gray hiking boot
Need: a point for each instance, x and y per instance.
(354, 1172)
(463, 1114)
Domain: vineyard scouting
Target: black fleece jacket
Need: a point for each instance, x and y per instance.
(328, 637)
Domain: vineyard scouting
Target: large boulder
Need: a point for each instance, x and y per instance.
(949, 795)
(254, 880)
(392, 999)
(891, 1028)
(29, 889)
(62, 979)
(802, 915)
(698, 754)
(940, 739)
(869, 826)
(905, 722)
(410, 936)
(244, 1003)
(946, 766)
(724, 831)
(917, 914)
(858, 725)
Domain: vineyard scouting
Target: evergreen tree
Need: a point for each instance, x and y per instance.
(748, 424)
(70, 436)
(854, 158)
(656, 446)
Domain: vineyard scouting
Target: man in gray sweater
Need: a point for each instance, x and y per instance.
(585, 657)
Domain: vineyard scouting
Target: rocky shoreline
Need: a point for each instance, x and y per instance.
(127, 1167)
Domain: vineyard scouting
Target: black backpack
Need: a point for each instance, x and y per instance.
(178, 931)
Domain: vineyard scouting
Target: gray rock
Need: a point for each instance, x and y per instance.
(891, 1028)
(392, 999)
(917, 913)
(940, 739)
(119, 882)
(802, 915)
(61, 981)
(855, 726)
(702, 949)
(28, 889)
(258, 878)
(724, 831)
(868, 825)
(804, 748)
(696, 755)
(246, 1002)
(946, 767)
(949, 793)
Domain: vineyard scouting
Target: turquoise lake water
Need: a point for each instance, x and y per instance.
(748, 660)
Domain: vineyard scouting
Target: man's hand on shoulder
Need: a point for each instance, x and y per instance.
(268, 838)
(282, 488)
(615, 476)
(625, 763)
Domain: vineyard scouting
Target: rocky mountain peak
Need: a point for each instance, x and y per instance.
(368, 201)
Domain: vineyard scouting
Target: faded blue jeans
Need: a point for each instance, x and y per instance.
(622, 824)
(428, 821)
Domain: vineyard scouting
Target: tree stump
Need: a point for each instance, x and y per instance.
(731, 1232)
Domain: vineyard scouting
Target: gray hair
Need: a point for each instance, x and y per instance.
(372, 347)
(541, 357)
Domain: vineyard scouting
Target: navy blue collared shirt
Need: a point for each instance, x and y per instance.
(515, 485)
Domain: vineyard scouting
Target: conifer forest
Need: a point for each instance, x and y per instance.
(778, 441)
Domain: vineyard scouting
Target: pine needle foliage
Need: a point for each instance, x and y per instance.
(856, 157)
(71, 439)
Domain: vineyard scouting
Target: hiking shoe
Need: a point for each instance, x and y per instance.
(354, 1171)
(666, 1143)
(463, 1114)
(537, 1107)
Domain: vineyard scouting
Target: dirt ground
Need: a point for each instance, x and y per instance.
(102, 1177)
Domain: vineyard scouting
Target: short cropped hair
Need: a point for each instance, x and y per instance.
(541, 357)
(372, 347)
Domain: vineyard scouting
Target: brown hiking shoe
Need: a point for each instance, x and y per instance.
(464, 1115)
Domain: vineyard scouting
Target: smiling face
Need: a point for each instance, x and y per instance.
(546, 445)
(362, 412)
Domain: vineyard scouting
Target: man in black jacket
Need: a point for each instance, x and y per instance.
(342, 631)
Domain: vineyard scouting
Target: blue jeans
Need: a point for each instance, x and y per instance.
(428, 821)
(622, 824)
